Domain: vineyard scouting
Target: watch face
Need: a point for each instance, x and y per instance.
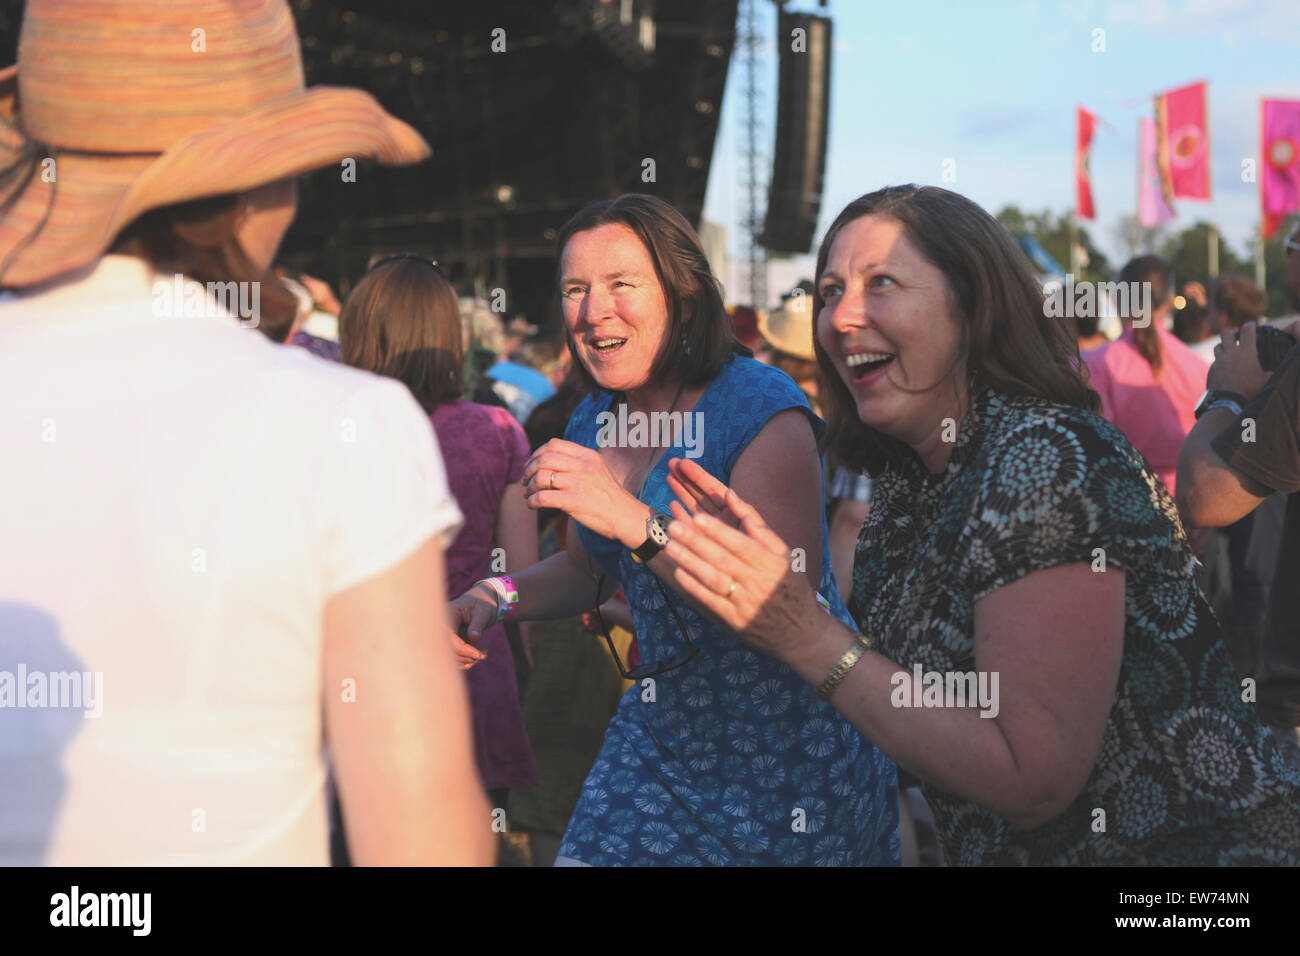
(658, 528)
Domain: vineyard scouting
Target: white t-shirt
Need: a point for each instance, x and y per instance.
(179, 497)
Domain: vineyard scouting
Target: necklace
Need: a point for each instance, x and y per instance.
(649, 465)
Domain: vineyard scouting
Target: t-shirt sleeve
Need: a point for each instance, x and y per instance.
(1272, 457)
(383, 488)
(1062, 491)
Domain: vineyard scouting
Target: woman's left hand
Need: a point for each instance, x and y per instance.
(575, 480)
(743, 577)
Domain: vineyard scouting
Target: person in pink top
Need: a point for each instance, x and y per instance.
(1148, 380)
(402, 321)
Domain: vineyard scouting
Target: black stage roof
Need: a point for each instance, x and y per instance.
(522, 138)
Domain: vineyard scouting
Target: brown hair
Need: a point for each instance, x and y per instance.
(1238, 299)
(197, 240)
(403, 320)
(699, 337)
(1160, 274)
(1007, 342)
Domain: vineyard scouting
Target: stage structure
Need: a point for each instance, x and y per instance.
(532, 107)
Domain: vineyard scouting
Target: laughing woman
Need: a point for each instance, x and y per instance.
(1015, 535)
(717, 755)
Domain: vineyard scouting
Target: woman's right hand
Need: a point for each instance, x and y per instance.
(471, 614)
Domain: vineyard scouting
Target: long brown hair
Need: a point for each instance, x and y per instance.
(699, 337)
(403, 320)
(197, 239)
(1008, 343)
(1160, 274)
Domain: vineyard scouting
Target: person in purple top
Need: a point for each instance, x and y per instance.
(402, 321)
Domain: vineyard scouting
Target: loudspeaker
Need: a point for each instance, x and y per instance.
(802, 117)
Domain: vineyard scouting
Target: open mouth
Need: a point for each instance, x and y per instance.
(862, 364)
(606, 346)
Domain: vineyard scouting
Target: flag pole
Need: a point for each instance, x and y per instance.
(1209, 177)
(1260, 271)
(1142, 238)
(1074, 210)
(1074, 244)
(1259, 259)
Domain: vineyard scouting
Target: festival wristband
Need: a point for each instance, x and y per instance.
(507, 596)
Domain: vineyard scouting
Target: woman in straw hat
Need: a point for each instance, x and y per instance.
(207, 537)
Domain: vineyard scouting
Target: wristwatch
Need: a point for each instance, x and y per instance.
(656, 530)
(1220, 398)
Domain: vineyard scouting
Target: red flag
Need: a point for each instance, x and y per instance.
(1085, 124)
(1184, 142)
(1279, 146)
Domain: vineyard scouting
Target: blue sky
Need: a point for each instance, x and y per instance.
(992, 84)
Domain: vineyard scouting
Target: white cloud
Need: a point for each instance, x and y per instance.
(1146, 14)
(1076, 10)
(1226, 18)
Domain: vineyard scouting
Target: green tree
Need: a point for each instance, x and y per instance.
(1189, 254)
(1279, 300)
(1052, 232)
(1137, 239)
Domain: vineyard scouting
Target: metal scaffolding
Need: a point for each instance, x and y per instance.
(754, 184)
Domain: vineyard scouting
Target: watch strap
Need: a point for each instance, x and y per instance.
(1221, 398)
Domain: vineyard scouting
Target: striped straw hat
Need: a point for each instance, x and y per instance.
(116, 107)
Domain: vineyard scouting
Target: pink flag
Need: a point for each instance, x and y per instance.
(1184, 142)
(1279, 182)
(1152, 208)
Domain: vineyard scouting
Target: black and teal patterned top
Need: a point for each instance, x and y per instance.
(1186, 773)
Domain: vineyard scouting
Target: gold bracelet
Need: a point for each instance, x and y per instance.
(841, 670)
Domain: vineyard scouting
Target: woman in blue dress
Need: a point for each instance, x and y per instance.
(718, 755)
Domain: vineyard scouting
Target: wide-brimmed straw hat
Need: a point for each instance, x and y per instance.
(145, 103)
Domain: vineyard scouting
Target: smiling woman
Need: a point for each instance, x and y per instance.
(1015, 538)
(717, 755)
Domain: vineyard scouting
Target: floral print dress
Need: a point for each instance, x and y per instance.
(1186, 773)
(731, 758)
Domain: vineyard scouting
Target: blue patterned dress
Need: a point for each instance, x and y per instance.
(733, 760)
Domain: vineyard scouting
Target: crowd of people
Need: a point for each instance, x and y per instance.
(914, 578)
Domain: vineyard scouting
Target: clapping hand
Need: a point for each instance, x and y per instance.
(735, 567)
